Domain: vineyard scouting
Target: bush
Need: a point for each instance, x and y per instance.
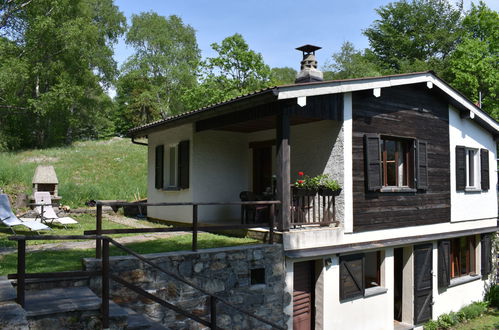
(446, 321)
(431, 325)
(493, 296)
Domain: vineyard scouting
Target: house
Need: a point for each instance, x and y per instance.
(410, 235)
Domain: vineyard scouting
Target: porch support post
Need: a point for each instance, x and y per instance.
(283, 169)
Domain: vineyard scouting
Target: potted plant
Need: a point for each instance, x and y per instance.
(328, 186)
(305, 185)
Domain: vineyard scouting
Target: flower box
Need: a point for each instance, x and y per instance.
(328, 192)
(304, 191)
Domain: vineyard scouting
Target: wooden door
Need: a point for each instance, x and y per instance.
(303, 295)
(423, 298)
(398, 280)
(262, 169)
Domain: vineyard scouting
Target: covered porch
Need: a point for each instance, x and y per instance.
(253, 151)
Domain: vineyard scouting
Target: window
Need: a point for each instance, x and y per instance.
(172, 166)
(359, 272)
(257, 276)
(395, 164)
(472, 169)
(462, 250)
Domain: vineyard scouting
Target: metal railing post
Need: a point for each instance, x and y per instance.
(21, 271)
(98, 228)
(271, 224)
(105, 284)
(194, 227)
(213, 312)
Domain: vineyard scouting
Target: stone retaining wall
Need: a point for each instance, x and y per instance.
(224, 271)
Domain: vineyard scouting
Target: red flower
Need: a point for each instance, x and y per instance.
(300, 181)
(300, 173)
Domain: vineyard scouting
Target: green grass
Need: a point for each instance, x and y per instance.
(86, 221)
(53, 261)
(488, 321)
(105, 169)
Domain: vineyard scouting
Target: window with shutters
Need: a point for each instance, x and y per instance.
(462, 256)
(395, 164)
(360, 274)
(472, 169)
(172, 166)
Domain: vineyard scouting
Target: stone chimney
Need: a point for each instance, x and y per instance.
(308, 67)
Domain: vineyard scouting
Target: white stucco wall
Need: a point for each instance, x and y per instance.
(173, 213)
(373, 313)
(471, 205)
(220, 162)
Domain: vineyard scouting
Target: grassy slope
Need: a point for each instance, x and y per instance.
(110, 169)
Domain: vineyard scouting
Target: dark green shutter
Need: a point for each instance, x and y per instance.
(159, 166)
(373, 162)
(183, 164)
(460, 168)
(352, 276)
(486, 254)
(443, 264)
(484, 169)
(422, 165)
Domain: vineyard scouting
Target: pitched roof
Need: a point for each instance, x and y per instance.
(331, 87)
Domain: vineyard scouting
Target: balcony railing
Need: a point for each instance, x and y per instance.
(313, 208)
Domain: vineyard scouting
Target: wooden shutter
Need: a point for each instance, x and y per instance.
(159, 169)
(443, 264)
(183, 164)
(460, 168)
(373, 161)
(352, 276)
(422, 165)
(423, 279)
(484, 169)
(486, 254)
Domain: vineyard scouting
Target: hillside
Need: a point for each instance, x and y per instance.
(104, 169)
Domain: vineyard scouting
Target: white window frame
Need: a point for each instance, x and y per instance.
(475, 185)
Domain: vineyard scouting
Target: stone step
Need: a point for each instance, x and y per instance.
(139, 321)
(7, 291)
(60, 300)
(12, 316)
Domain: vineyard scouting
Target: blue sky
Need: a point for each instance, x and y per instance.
(273, 27)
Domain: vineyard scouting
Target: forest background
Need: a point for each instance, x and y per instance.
(57, 65)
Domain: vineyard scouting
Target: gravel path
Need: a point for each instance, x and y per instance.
(91, 244)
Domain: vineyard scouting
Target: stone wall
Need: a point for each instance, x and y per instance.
(227, 272)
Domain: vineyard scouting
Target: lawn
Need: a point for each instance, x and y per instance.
(489, 321)
(51, 261)
(105, 169)
(86, 221)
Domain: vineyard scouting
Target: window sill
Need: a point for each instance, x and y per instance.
(473, 190)
(398, 190)
(463, 279)
(374, 291)
(170, 189)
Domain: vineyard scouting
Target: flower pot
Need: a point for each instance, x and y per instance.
(304, 191)
(329, 192)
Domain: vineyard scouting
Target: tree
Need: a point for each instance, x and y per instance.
(351, 63)
(236, 70)
(164, 63)
(419, 31)
(55, 62)
(474, 63)
(283, 76)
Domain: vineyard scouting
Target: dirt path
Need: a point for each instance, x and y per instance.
(91, 244)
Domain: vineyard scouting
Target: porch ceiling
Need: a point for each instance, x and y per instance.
(262, 124)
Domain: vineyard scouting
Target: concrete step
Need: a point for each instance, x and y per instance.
(139, 321)
(60, 300)
(7, 291)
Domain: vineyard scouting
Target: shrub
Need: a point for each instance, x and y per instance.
(431, 325)
(446, 321)
(493, 296)
(474, 310)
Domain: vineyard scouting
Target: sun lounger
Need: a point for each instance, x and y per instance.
(9, 219)
(46, 213)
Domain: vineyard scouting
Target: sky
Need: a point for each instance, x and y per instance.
(273, 28)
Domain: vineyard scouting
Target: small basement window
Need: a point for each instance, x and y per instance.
(372, 269)
(462, 251)
(360, 275)
(257, 276)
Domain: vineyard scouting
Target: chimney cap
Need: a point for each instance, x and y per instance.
(308, 48)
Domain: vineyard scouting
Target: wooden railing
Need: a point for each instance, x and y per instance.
(312, 209)
(107, 276)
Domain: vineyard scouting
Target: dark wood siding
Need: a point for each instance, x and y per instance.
(412, 112)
